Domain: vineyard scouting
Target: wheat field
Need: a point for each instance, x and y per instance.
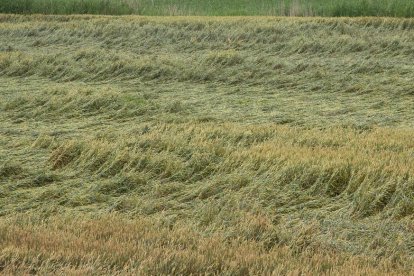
(206, 145)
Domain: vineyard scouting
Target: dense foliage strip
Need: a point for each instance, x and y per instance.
(391, 8)
(160, 145)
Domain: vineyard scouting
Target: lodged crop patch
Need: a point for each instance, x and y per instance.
(159, 145)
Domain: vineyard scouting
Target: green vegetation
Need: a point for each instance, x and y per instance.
(206, 145)
(398, 8)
